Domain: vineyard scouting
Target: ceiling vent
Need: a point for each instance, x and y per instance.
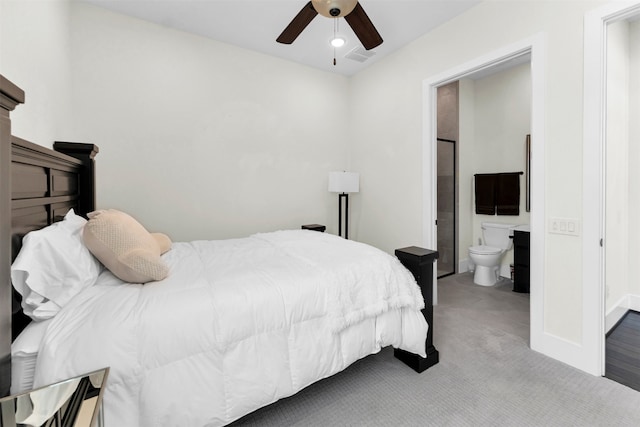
(359, 54)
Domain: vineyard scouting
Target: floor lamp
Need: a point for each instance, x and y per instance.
(344, 183)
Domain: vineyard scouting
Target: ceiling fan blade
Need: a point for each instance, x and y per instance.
(299, 23)
(363, 27)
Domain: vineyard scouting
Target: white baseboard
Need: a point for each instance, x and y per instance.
(620, 308)
(464, 265)
(505, 271)
(615, 314)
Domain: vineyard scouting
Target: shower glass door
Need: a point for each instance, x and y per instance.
(446, 225)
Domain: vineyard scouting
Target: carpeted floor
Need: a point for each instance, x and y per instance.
(487, 376)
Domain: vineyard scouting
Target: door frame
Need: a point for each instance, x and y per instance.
(594, 239)
(535, 47)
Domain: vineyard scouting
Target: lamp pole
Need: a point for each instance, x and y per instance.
(346, 214)
(344, 183)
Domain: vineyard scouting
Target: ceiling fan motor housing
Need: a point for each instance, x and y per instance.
(334, 8)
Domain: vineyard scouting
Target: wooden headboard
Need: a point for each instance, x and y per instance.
(37, 187)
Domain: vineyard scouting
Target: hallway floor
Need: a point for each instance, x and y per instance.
(623, 352)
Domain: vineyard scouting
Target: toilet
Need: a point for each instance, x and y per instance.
(486, 257)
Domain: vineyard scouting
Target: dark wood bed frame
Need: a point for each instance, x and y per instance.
(39, 185)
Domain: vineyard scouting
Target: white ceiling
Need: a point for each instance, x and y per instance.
(255, 25)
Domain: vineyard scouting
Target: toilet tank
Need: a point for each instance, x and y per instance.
(497, 235)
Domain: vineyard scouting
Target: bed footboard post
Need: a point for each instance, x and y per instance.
(419, 262)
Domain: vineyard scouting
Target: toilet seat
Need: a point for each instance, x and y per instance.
(484, 250)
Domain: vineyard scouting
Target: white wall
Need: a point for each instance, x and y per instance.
(634, 154)
(35, 55)
(617, 164)
(203, 139)
(387, 125)
(501, 119)
(197, 138)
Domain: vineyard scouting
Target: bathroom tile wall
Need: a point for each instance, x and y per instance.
(447, 182)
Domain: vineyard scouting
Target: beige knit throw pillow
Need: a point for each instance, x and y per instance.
(125, 247)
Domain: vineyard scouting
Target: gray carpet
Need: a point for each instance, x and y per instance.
(487, 376)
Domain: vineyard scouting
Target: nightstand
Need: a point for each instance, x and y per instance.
(314, 227)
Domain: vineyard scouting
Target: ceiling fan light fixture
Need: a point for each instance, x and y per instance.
(352, 12)
(334, 8)
(338, 42)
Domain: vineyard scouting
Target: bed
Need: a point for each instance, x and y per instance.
(265, 316)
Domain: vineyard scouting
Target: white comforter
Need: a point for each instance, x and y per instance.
(237, 325)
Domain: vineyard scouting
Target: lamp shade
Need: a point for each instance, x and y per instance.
(344, 182)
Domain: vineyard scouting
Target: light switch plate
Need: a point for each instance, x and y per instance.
(567, 226)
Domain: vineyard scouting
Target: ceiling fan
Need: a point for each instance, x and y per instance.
(352, 12)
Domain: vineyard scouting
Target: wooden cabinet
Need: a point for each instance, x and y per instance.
(521, 261)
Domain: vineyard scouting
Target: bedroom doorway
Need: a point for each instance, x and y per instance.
(622, 196)
(622, 292)
(611, 99)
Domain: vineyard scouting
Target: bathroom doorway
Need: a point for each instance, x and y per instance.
(483, 122)
(526, 51)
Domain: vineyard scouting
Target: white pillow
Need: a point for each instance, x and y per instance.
(28, 342)
(53, 266)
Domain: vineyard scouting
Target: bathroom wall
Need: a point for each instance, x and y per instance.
(495, 119)
(448, 111)
(447, 181)
(467, 108)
